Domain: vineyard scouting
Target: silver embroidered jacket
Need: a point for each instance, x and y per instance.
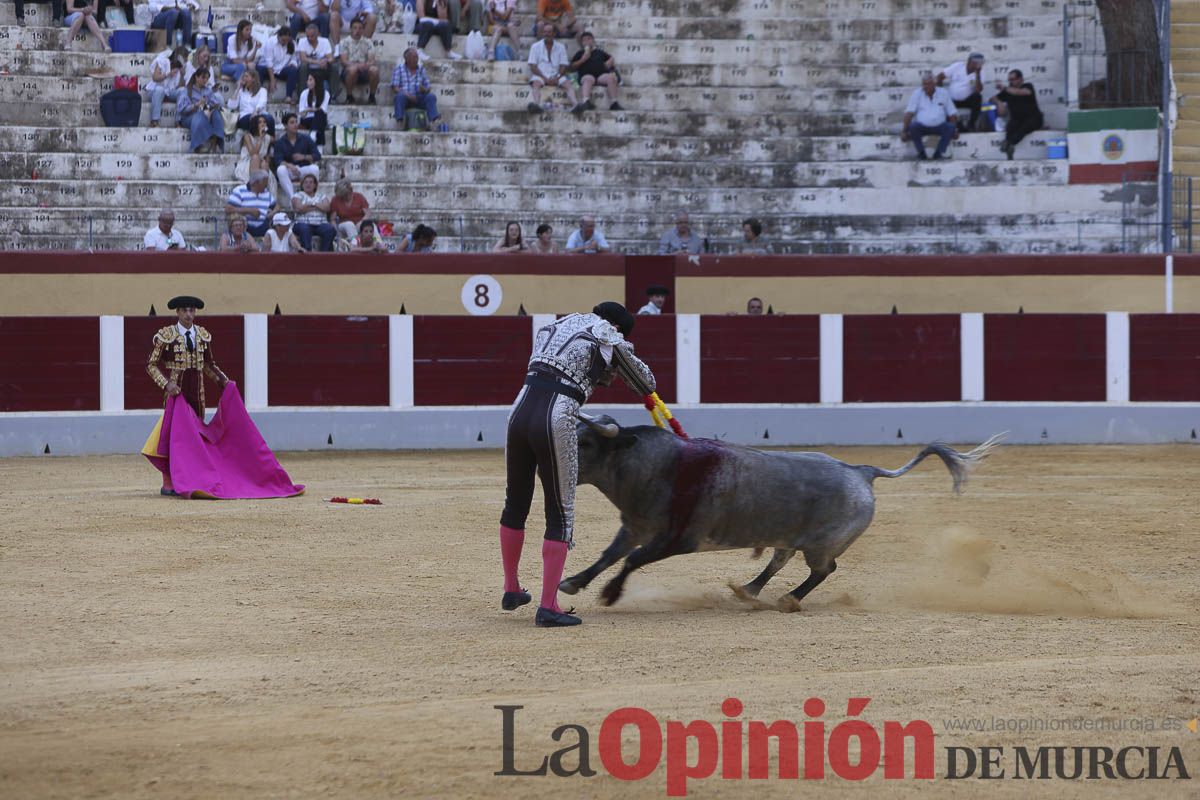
(588, 350)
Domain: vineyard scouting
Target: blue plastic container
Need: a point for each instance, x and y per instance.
(127, 40)
(1056, 148)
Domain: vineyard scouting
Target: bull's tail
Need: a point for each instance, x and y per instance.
(959, 464)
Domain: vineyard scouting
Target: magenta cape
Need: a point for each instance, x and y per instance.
(226, 459)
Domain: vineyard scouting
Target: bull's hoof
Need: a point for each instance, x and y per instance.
(570, 586)
(747, 592)
(788, 604)
(750, 597)
(611, 592)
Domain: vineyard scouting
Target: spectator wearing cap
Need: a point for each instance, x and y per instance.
(253, 202)
(281, 239)
(293, 156)
(929, 111)
(753, 242)
(163, 236)
(964, 81)
(587, 239)
(658, 297)
(681, 238)
(595, 66)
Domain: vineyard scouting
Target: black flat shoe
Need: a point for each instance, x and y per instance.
(168, 492)
(514, 600)
(555, 619)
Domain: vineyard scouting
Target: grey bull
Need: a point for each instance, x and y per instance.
(681, 496)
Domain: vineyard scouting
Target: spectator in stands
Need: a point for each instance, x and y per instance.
(172, 16)
(559, 15)
(241, 51)
(346, 12)
(308, 12)
(587, 239)
(358, 63)
(293, 157)
(433, 19)
(254, 153)
(236, 238)
(56, 10)
(279, 62)
(200, 112)
(476, 16)
(1024, 116)
(253, 202)
(164, 236)
(595, 66)
(754, 306)
(312, 215)
(511, 243)
(280, 238)
(964, 81)
(250, 102)
(126, 7)
(347, 209)
(201, 59)
(548, 67)
(930, 111)
(681, 238)
(658, 296)
(502, 15)
(753, 242)
(368, 239)
(544, 244)
(411, 86)
(314, 108)
(166, 79)
(316, 59)
(81, 13)
(421, 240)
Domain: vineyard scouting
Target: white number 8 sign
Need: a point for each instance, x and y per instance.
(482, 295)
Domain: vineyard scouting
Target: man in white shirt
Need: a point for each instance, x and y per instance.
(164, 236)
(548, 67)
(316, 56)
(930, 111)
(587, 239)
(658, 297)
(306, 11)
(964, 81)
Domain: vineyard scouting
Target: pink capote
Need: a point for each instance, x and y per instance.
(226, 459)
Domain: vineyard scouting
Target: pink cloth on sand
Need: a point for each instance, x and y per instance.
(226, 459)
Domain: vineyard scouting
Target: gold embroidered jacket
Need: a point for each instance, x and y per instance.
(170, 360)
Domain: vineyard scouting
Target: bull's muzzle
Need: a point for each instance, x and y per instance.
(608, 430)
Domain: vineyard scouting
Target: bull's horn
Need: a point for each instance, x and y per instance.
(608, 430)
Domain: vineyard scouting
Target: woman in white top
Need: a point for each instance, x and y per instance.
(166, 79)
(280, 238)
(250, 102)
(277, 61)
(314, 106)
(241, 51)
(255, 153)
(312, 215)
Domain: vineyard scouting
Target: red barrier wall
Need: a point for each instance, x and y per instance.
(469, 360)
(764, 359)
(49, 364)
(1045, 357)
(327, 361)
(1164, 357)
(892, 358)
(228, 349)
(654, 342)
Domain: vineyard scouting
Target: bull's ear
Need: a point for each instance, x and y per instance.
(625, 440)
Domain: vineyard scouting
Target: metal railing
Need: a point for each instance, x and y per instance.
(1107, 79)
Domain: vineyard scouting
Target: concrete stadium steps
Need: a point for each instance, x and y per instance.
(1185, 66)
(895, 29)
(106, 167)
(88, 144)
(24, 65)
(1028, 52)
(749, 200)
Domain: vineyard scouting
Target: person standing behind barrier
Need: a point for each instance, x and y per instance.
(587, 240)
(164, 236)
(278, 61)
(1024, 116)
(753, 242)
(511, 243)
(929, 111)
(681, 238)
(166, 79)
(293, 156)
(544, 244)
(571, 357)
